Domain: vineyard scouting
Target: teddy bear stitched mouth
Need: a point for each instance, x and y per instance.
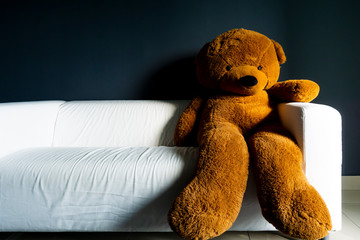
(248, 81)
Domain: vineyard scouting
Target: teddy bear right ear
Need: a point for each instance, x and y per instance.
(279, 52)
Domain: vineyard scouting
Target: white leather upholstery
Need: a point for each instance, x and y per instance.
(111, 165)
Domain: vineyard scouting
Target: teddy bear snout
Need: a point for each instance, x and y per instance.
(248, 81)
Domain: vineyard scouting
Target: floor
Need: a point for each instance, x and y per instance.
(350, 228)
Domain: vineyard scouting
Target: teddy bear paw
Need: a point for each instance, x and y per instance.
(304, 215)
(199, 213)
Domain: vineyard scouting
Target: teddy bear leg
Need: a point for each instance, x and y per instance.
(287, 199)
(211, 202)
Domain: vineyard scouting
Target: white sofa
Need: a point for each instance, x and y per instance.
(112, 166)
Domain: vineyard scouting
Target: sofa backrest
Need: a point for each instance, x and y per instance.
(117, 123)
(88, 123)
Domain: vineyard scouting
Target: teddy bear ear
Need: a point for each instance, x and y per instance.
(202, 52)
(279, 52)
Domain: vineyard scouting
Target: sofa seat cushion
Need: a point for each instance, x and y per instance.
(95, 189)
(102, 189)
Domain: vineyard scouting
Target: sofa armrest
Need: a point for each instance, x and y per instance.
(27, 124)
(317, 129)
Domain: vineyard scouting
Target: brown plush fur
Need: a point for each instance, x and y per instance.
(238, 127)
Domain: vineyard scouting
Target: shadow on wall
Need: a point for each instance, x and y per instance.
(176, 80)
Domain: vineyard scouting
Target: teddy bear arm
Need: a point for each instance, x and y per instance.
(185, 131)
(295, 91)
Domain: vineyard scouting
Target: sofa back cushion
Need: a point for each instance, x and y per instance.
(117, 123)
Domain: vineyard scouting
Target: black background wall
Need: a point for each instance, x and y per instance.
(139, 49)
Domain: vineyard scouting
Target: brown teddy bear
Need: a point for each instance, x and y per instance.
(238, 125)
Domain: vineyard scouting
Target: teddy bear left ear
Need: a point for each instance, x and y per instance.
(279, 52)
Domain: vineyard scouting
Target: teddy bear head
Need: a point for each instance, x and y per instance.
(240, 61)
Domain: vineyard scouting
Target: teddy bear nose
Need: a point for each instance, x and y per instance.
(248, 81)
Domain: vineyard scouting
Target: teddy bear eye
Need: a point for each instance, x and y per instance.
(259, 67)
(228, 68)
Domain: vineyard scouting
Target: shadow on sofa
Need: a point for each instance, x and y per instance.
(153, 215)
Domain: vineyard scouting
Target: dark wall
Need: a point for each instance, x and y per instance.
(81, 50)
(323, 44)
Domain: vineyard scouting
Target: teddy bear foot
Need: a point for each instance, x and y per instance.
(303, 215)
(199, 213)
(211, 202)
(194, 216)
(287, 199)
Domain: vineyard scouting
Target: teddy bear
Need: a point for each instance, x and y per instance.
(236, 126)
